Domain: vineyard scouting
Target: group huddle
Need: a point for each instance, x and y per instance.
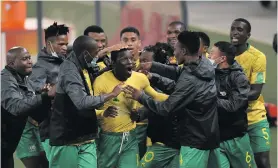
(180, 104)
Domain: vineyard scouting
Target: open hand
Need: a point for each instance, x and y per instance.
(117, 89)
(132, 92)
(111, 111)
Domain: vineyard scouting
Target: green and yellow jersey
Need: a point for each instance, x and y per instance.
(253, 63)
(105, 83)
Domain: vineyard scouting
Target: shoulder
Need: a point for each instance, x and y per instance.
(257, 54)
(139, 76)
(104, 76)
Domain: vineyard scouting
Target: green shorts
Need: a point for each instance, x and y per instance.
(118, 150)
(83, 156)
(196, 158)
(46, 147)
(259, 134)
(160, 156)
(237, 152)
(141, 133)
(30, 142)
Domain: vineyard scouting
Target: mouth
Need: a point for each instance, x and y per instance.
(129, 69)
(234, 39)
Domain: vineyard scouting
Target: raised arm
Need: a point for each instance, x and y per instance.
(166, 85)
(171, 72)
(175, 102)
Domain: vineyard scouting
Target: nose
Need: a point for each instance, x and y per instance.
(99, 44)
(64, 47)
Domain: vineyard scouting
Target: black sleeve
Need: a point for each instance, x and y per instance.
(184, 93)
(38, 78)
(168, 71)
(13, 101)
(72, 84)
(238, 97)
(143, 113)
(166, 85)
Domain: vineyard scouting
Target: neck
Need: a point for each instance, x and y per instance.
(48, 51)
(118, 75)
(241, 48)
(193, 58)
(136, 56)
(223, 65)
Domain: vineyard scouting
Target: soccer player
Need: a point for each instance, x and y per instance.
(253, 63)
(18, 101)
(130, 36)
(45, 71)
(194, 100)
(173, 30)
(73, 123)
(160, 52)
(118, 145)
(232, 103)
(204, 45)
(98, 34)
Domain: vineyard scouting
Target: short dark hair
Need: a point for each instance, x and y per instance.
(205, 38)
(246, 22)
(228, 49)
(178, 23)
(93, 29)
(55, 30)
(161, 52)
(115, 54)
(82, 43)
(190, 40)
(130, 29)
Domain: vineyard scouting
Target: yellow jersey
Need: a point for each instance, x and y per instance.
(105, 83)
(253, 63)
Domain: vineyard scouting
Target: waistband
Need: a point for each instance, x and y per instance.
(118, 133)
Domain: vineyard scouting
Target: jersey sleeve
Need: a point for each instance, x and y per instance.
(258, 74)
(151, 92)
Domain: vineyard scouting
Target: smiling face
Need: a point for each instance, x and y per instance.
(123, 65)
(239, 33)
(172, 34)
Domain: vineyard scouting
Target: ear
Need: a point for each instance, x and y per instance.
(139, 43)
(248, 35)
(184, 51)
